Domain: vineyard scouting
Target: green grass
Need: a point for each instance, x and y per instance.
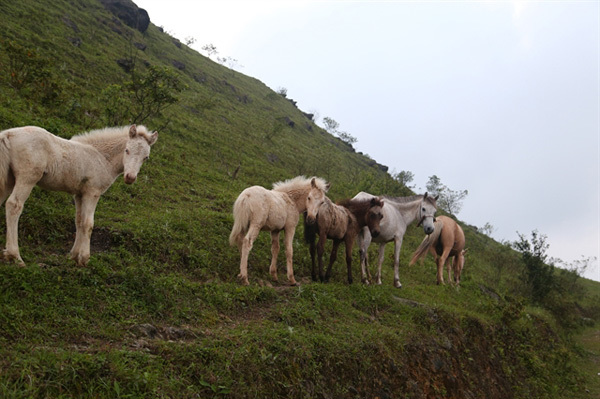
(158, 312)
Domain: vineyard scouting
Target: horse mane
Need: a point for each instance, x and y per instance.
(354, 205)
(411, 198)
(108, 134)
(299, 183)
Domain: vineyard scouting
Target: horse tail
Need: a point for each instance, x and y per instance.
(4, 161)
(241, 221)
(310, 231)
(427, 243)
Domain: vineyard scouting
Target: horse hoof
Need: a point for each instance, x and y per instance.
(243, 279)
(80, 261)
(366, 282)
(397, 284)
(12, 258)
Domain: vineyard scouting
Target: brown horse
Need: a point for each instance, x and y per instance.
(339, 222)
(447, 240)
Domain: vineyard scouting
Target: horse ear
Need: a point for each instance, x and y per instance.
(132, 131)
(436, 197)
(425, 196)
(376, 201)
(327, 186)
(312, 183)
(153, 138)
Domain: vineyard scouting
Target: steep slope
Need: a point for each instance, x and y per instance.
(158, 311)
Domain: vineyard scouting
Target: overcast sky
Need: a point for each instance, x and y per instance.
(497, 98)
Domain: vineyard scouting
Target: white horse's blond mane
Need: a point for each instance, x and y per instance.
(298, 183)
(109, 133)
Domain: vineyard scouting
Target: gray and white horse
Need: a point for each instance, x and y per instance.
(398, 213)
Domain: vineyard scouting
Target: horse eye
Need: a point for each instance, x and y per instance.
(127, 151)
(147, 158)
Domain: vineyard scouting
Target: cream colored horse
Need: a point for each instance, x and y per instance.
(257, 208)
(84, 166)
(446, 241)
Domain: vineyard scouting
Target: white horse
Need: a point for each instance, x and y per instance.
(257, 208)
(84, 166)
(398, 213)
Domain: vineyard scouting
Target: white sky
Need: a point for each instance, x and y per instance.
(500, 98)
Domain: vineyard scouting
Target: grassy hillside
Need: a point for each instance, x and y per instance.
(158, 311)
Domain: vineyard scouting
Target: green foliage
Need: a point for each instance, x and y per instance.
(448, 200)
(25, 67)
(145, 95)
(539, 274)
(332, 128)
(404, 177)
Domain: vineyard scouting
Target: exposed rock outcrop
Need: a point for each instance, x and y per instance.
(129, 13)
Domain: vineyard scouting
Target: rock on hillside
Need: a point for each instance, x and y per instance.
(128, 12)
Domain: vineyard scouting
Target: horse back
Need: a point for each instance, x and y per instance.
(334, 220)
(268, 209)
(55, 163)
(30, 149)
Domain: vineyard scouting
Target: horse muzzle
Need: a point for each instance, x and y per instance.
(129, 179)
(311, 220)
(375, 233)
(428, 229)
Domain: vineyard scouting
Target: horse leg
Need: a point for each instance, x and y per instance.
(274, 254)
(320, 252)
(14, 208)
(246, 247)
(78, 226)
(289, 253)
(397, 246)
(364, 240)
(349, 243)
(380, 257)
(440, 265)
(456, 268)
(332, 258)
(7, 189)
(85, 207)
(312, 248)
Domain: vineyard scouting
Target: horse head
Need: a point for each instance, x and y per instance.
(137, 150)
(316, 197)
(374, 216)
(427, 209)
